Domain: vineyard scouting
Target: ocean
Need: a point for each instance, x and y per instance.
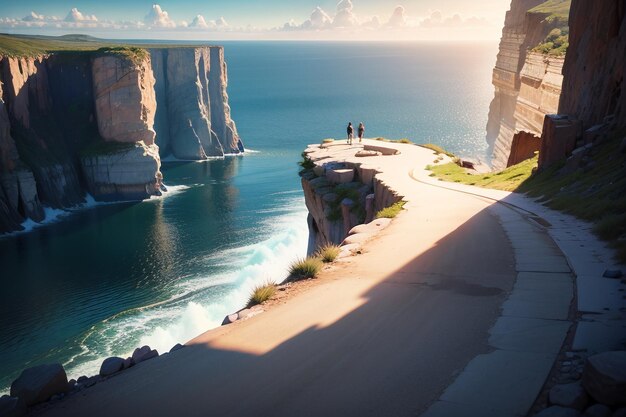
(102, 279)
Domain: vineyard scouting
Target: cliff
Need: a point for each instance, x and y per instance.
(527, 81)
(341, 193)
(594, 88)
(592, 110)
(193, 112)
(98, 121)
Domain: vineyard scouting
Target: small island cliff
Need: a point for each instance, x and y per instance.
(99, 122)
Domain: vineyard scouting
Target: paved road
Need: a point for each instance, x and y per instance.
(382, 334)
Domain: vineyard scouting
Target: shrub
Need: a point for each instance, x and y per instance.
(308, 267)
(391, 211)
(261, 293)
(328, 253)
(306, 162)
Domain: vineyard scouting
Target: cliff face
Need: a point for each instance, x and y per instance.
(125, 107)
(340, 195)
(593, 100)
(193, 111)
(527, 85)
(594, 69)
(79, 122)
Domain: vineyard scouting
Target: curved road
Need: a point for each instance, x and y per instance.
(381, 334)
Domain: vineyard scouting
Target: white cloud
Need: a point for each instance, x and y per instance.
(372, 23)
(437, 20)
(398, 18)
(199, 22)
(158, 18)
(76, 16)
(33, 17)
(221, 22)
(345, 16)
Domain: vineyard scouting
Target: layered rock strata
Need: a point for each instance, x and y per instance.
(527, 84)
(340, 195)
(125, 106)
(193, 112)
(98, 121)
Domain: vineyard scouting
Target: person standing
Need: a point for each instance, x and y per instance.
(361, 131)
(350, 131)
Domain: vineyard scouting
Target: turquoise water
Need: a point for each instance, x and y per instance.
(107, 278)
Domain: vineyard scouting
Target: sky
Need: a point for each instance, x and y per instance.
(438, 20)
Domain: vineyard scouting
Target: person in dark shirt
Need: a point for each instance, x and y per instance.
(361, 131)
(350, 131)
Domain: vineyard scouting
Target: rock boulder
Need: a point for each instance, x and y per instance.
(143, 354)
(38, 384)
(604, 377)
(569, 395)
(111, 366)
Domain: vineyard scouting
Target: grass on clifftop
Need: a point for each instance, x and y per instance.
(261, 293)
(554, 9)
(31, 46)
(131, 53)
(508, 180)
(328, 253)
(556, 15)
(36, 45)
(594, 193)
(391, 211)
(305, 268)
(437, 149)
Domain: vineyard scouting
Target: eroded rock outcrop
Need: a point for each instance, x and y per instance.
(527, 84)
(125, 99)
(193, 110)
(125, 108)
(340, 195)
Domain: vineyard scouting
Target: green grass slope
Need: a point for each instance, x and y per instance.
(595, 193)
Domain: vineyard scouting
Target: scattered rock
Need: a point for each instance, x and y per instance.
(612, 273)
(11, 407)
(128, 362)
(556, 411)
(38, 384)
(111, 365)
(143, 354)
(82, 379)
(569, 395)
(91, 381)
(467, 164)
(363, 153)
(604, 377)
(598, 410)
(231, 318)
(176, 347)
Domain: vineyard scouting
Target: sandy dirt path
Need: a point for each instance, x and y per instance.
(381, 334)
